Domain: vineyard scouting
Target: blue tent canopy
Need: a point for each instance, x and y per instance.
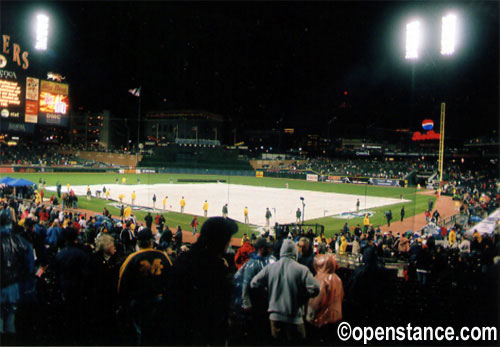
(20, 182)
(6, 180)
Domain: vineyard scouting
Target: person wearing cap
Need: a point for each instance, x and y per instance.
(253, 301)
(224, 211)
(142, 283)
(200, 288)
(290, 285)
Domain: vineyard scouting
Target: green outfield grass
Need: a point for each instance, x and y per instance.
(416, 205)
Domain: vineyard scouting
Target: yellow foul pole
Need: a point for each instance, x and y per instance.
(441, 146)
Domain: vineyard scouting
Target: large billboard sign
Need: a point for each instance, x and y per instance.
(54, 103)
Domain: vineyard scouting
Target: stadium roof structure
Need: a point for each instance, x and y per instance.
(184, 114)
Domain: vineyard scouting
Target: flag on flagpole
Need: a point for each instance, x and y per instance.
(135, 91)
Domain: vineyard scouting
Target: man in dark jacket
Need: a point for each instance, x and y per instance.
(72, 267)
(142, 286)
(200, 288)
(306, 254)
(369, 305)
(149, 220)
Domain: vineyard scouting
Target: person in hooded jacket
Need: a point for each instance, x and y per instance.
(289, 285)
(326, 308)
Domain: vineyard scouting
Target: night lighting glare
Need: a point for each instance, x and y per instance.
(413, 38)
(42, 31)
(448, 34)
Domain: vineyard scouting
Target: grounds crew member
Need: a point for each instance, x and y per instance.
(133, 197)
(298, 214)
(245, 214)
(183, 204)
(205, 208)
(268, 217)
(366, 223)
(224, 211)
(165, 202)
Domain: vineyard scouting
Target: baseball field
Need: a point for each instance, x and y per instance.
(329, 204)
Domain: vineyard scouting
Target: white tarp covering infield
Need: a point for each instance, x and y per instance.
(282, 202)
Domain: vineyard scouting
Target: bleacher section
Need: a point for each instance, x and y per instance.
(181, 156)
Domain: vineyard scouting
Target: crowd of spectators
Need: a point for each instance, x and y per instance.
(50, 155)
(24, 154)
(67, 279)
(383, 168)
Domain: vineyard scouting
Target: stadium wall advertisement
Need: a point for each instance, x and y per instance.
(312, 178)
(385, 182)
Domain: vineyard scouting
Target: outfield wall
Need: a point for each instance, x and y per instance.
(107, 158)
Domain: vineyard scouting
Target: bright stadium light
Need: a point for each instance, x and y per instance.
(448, 34)
(413, 38)
(42, 31)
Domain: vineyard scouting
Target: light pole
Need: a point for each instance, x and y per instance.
(303, 208)
(413, 46)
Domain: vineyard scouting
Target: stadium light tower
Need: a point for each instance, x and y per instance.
(42, 32)
(413, 40)
(448, 34)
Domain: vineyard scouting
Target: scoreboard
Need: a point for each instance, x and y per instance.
(34, 101)
(26, 100)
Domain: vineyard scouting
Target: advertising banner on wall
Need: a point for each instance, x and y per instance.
(385, 182)
(32, 94)
(311, 177)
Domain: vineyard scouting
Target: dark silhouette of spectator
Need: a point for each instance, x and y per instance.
(200, 288)
(306, 254)
(142, 286)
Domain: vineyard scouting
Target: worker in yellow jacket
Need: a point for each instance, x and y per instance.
(205, 208)
(183, 204)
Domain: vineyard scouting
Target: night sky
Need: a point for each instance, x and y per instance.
(262, 62)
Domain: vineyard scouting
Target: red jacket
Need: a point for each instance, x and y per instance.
(243, 254)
